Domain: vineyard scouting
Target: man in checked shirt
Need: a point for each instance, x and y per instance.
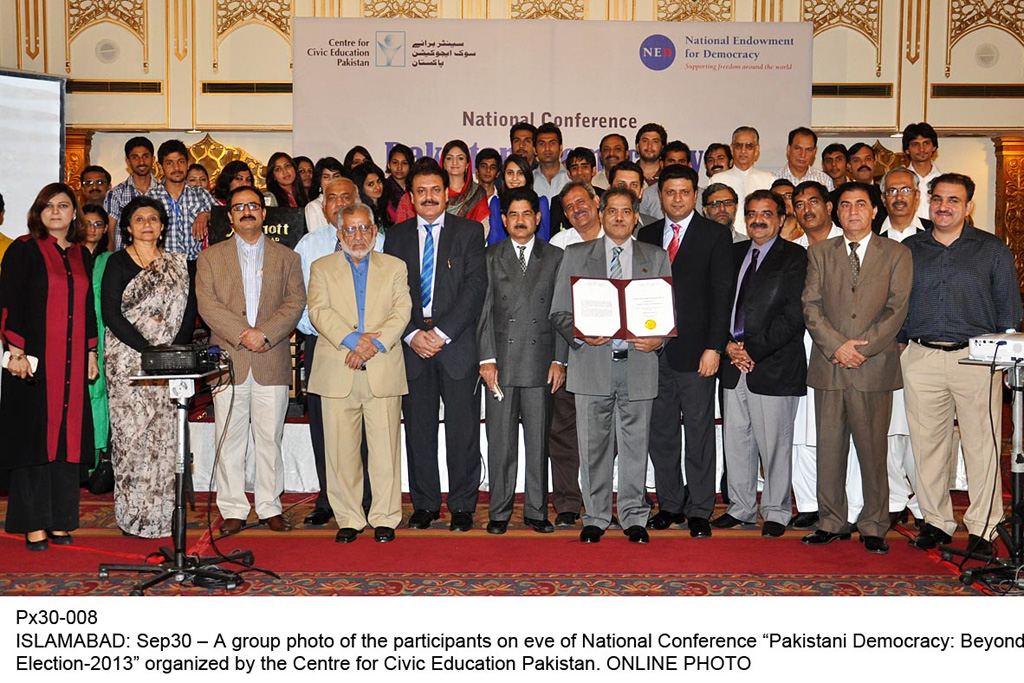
(965, 284)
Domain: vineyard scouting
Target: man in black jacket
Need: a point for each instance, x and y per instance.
(764, 372)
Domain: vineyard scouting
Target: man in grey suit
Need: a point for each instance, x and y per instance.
(522, 360)
(614, 382)
(855, 302)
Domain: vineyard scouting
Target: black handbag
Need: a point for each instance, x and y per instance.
(102, 478)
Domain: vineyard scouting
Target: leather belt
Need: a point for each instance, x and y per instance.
(941, 346)
(620, 354)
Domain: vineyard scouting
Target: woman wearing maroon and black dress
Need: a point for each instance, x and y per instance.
(47, 312)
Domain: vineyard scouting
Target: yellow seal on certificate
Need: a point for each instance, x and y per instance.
(650, 324)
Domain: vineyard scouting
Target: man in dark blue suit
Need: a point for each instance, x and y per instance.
(702, 273)
(764, 371)
(444, 255)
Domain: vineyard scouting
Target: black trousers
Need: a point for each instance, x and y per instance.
(43, 497)
(564, 453)
(420, 408)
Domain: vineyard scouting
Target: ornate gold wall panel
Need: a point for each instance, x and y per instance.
(1010, 198)
(30, 16)
(967, 16)
(77, 147)
(694, 10)
(129, 14)
(862, 16)
(214, 156)
(410, 9)
(547, 9)
(913, 12)
(229, 15)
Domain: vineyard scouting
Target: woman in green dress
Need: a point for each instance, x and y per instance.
(96, 221)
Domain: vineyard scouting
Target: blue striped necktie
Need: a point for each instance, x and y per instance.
(427, 271)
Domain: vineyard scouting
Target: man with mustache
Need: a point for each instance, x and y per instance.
(250, 292)
(920, 144)
(522, 137)
(614, 149)
(444, 255)
(700, 253)
(801, 149)
(743, 177)
(861, 160)
(965, 285)
(522, 361)
(95, 185)
(580, 204)
(614, 381)
(721, 205)
(717, 158)
(855, 302)
(629, 176)
(651, 139)
(359, 303)
(765, 372)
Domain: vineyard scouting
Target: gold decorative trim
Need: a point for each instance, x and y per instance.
(1010, 198)
(214, 156)
(967, 16)
(410, 9)
(547, 9)
(913, 41)
(621, 10)
(695, 10)
(328, 8)
(82, 14)
(767, 10)
(864, 17)
(475, 9)
(33, 29)
(181, 24)
(230, 15)
(77, 148)
(17, 25)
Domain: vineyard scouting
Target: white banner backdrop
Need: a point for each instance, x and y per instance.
(376, 82)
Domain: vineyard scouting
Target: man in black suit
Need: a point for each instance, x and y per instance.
(444, 255)
(764, 373)
(701, 254)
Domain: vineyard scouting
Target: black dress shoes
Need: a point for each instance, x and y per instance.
(820, 537)
(726, 521)
(930, 537)
(564, 519)
(773, 529)
(421, 519)
(41, 544)
(383, 534)
(664, 519)
(591, 534)
(541, 526)
(637, 534)
(318, 517)
(804, 520)
(346, 535)
(975, 544)
(875, 544)
(65, 539)
(461, 521)
(497, 527)
(700, 527)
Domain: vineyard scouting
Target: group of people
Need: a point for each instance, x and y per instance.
(830, 311)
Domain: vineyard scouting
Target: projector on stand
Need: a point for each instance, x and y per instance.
(1002, 348)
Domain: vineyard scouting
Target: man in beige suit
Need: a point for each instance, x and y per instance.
(359, 303)
(250, 292)
(855, 302)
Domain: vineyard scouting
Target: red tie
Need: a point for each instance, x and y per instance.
(673, 246)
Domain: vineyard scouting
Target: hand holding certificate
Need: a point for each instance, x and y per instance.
(623, 309)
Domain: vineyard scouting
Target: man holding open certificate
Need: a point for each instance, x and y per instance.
(610, 304)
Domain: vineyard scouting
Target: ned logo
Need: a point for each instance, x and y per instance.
(390, 48)
(657, 52)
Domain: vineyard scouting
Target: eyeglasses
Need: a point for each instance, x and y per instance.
(90, 183)
(719, 203)
(95, 224)
(245, 206)
(745, 145)
(351, 229)
(893, 191)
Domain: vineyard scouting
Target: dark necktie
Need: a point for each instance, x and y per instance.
(522, 257)
(855, 262)
(739, 320)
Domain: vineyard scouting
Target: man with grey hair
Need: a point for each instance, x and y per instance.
(743, 178)
(721, 205)
(337, 194)
(360, 372)
(901, 194)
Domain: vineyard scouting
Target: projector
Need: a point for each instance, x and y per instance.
(179, 360)
(1002, 348)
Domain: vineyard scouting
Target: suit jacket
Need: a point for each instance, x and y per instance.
(702, 277)
(514, 327)
(834, 311)
(460, 284)
(334, 314)
(773, 322)
(590, 367)
(221, 298)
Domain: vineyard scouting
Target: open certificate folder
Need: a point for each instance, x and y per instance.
(622, 309)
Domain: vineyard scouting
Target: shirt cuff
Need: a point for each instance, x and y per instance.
(380, 347)
(408, 338)
(558, 362)
(489, 360)
(442, 335)
(350, 340)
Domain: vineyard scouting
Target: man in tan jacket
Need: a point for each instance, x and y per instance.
(359, 304)
(855, 302)
(250, 292)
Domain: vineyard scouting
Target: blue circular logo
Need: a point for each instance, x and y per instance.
(657, 52)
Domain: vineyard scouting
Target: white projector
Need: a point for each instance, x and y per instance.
(1002, 348)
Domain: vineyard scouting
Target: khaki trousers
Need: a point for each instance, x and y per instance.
(936, 387)
(343, 425)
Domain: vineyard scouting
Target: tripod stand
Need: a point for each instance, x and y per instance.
(1004, 569)
(176, 565)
